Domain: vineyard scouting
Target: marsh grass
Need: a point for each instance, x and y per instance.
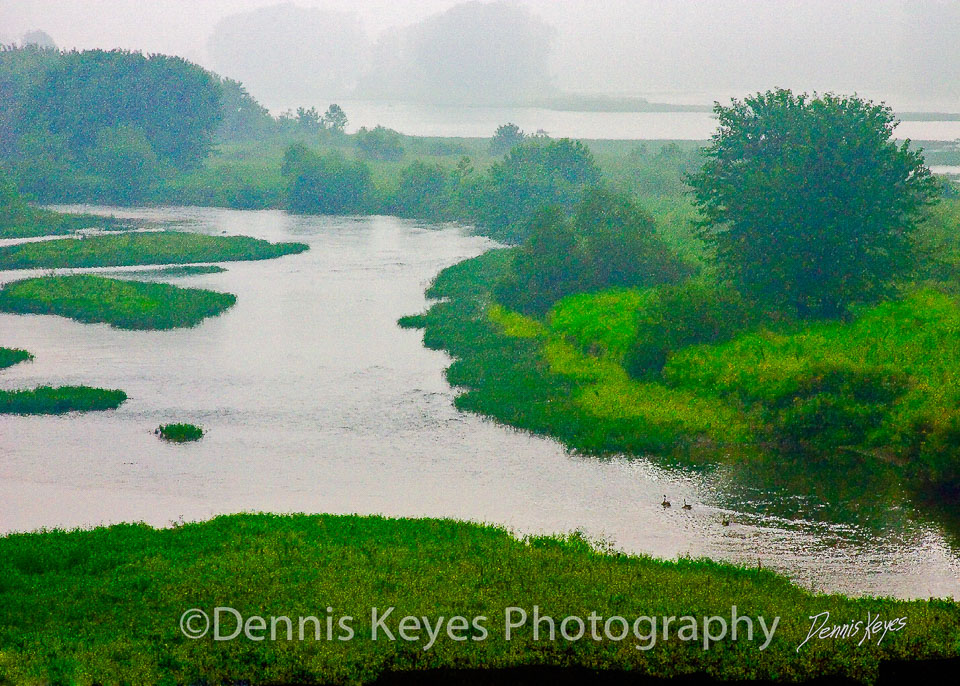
(154, 247)
(12, 356)
(122, 304)
(180, 433)
(59, 400)
(126, 587)
(881, 386)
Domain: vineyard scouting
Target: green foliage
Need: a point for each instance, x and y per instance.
(243, 117)
(335, 119)
(12, 356)
(122, 304)
(325, 183)
(379, 143)
(176, 105)
(48, 400)
(154, 247)
(423, 192)
(20, 220)
(808, 200)
(123, 157)
(425, 568)
(676, 316)
(609, 242)
(534, 175)
(505, 139)
(180, 433)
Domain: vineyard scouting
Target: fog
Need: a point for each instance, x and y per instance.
(312, 51)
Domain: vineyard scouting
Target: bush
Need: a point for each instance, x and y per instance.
(180, 433)
(609, 243)
(423, 192)
(682, 315)
(379, 143)
(325, 184)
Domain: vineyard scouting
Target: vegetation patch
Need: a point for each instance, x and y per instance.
(122, 304)
(423, 568)
(12, 356)
(60, 400)
(180, 433)
(155, 247)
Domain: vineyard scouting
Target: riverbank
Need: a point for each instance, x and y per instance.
(867, 388)
(137, 582)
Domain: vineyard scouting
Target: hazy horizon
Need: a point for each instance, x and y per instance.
(311, 52)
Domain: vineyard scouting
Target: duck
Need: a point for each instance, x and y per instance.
(686, 506)
(665, 503)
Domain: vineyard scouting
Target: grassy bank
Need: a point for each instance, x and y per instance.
(161, 247)
(127, 587)
(122, 304)
(60, 400)
(877, 387)
(12, 356)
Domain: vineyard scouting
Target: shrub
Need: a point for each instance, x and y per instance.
(379, 143)
(325, 184)
(677, 316)
(180, 433)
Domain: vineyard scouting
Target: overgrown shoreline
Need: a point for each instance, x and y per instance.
(299, 565)
(751, 398)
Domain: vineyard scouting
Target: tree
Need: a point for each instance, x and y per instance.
(308, 120)
(379, 143)
(531, 176)
(325, 184)
(506, 137)
(609, 242)
(808, 201)
(335, 119)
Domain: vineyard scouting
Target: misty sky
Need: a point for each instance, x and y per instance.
(903, 51)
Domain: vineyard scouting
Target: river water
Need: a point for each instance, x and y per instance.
(480, 122)
(315, 401)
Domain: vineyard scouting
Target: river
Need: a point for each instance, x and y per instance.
(315, 401)
(480, 122)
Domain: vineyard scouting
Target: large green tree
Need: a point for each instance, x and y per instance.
(809, 201)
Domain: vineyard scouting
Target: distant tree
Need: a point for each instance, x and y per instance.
(379, 143)
(175, 104)
(325, 184)
(335, 119)
(533, 175)
(40, 39)
(423, 192)
(506, 137)
(809, 201)
(308, 120)
(608, 242)
(125, 161)
(243, 117)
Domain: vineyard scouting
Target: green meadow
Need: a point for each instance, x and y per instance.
(122, 304)
(105, 606)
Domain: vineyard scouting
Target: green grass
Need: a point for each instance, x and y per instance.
(160, 247)
(884, 387)
(180, 433)
(48, 400)
(103, 606)
(12, 356)
(122, 304)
